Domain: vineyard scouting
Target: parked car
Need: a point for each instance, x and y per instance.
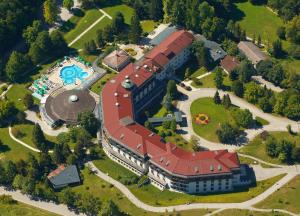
(182, 85)
(188, 88)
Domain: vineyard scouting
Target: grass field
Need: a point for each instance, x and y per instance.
(240, 212)
(208, 82)
(148, 25)
(11, 149)
(153, 196)
(98, 86)
(217, 114)
(16, 94)
(18, 208)
(257, 146)
(26, 131)
(258, 20)
(124, 9)
(84, 22)
(287, 197)
(96, 186)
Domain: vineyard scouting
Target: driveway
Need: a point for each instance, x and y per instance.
(275, 123)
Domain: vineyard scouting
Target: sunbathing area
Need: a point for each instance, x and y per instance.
(69, 73)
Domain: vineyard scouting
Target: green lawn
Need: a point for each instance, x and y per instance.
(98, 86)
(208, 82)
(291, 65)
(83, 23)
(217, 114)
(124, 9)
(16, 94)
(153, 196)
(287, 197)
(26, 131)
(259, 20)
(257, 146)
(199, 72)
(98, 187)
(11, 149)
(18, 208)
(148, 25)
(241, 212)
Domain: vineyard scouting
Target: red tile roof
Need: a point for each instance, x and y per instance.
(117, 106)
(229, 63)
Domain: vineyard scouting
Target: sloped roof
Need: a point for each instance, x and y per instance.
(253, 53)
(116, 58)
(64, 175)
(117, 106)
(229, 63)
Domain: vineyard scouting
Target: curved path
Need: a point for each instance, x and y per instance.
(243, 205)
(47, 206)
(61, 209)
(275, 123)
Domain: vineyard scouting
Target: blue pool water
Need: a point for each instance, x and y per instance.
(69, 74)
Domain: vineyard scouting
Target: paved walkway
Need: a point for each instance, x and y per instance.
(91, 26)
(47, 206)
(266, 83)
(31, 116)
(4, 93)
(243, 205)
(275, 123)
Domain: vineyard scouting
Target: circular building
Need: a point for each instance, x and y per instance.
(65, 106)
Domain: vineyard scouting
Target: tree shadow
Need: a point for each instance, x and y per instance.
(236, 13)
(4, 148)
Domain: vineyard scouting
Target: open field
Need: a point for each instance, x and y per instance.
(257, 146)
(18, 208)
(258, 20)
(82, 23)
(286, 197)
(124, 9)
(26, 132)
(153, 196)
(217, 114)
(96, 186)
(11, 149)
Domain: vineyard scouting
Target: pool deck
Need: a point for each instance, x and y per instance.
(54, 75)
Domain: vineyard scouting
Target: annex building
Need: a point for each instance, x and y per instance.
(143, 152)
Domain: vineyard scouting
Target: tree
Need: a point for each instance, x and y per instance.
(31, 32)
(89, 122)
(259, 41)
(7, 109)
(219, 78)
(166, 124)
(281, 32)
(17, 66)
(296, 154)
(118, 23)
(226, 101)
(265, 104)
(39, 139)
(227, 133)
(69, 197)
(28, 101)
(109, 208)
(100, 39)
(90, 47)
(36, 53)
(201, 53)
(293, 30)
(217, 99)
(187, 73)
(173, 125)
(245, 70)
(167, 5)
(90, 205)
(172, 89)
(243, 118)
(58, 155)
(277, 50)
(135, 29)
(50, 11)
(253, 92)
(68, 4)
(238, 88)
(79, 150)
(59, 45)
(167, 102)
(155, 9)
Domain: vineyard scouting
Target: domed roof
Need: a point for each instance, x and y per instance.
(127, 83)
(67, 105)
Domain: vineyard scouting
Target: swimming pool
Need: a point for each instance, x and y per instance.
(69, 74)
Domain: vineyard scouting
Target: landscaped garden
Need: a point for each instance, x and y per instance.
(287, 197)
(258, 146)
(98, 86)
(153, 196)
(216, 113)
